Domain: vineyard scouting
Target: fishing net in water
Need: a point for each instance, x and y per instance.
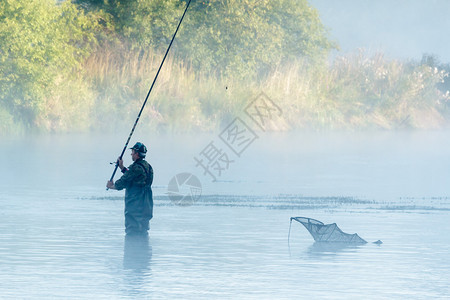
(326, 232)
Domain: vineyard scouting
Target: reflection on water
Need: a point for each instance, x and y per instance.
(137, 256)
(137, 253)
(320, 249)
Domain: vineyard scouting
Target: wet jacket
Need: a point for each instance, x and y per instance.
(137, 181)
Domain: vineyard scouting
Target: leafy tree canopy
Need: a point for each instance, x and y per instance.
(223, 36)
(39, 40)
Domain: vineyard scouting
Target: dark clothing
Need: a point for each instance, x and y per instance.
(137, 181)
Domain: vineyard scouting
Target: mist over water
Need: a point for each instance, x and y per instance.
(372, 165)
(62, 234)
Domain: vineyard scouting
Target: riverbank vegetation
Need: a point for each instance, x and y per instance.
(88, 65)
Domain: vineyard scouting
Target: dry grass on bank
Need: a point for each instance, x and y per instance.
(356, 92)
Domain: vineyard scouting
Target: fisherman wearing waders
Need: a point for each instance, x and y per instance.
(136, 180)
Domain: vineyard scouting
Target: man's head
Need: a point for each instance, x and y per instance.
(138, 151)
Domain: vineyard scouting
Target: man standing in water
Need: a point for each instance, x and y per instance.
(136, 180)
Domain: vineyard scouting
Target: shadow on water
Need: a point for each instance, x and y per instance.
(137, 254)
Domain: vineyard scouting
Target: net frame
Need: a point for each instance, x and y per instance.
(327, 232)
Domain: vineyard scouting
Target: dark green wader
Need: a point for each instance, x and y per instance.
(138, 209)
(138, 197)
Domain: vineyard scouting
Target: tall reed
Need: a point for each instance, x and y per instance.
(354, 92)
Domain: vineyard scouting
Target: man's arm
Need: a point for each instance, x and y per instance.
(121, 167)
(127, 178)
(110, 184)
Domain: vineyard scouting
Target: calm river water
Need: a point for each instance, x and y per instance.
(61, 232)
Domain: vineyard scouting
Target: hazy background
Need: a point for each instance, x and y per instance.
(402, 29)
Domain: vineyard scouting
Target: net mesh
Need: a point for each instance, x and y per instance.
(327, 232)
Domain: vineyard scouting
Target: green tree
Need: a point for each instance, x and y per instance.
(253, 36)
(225, 37)
(40, 40)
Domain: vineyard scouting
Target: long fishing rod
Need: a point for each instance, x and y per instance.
(148, 94)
